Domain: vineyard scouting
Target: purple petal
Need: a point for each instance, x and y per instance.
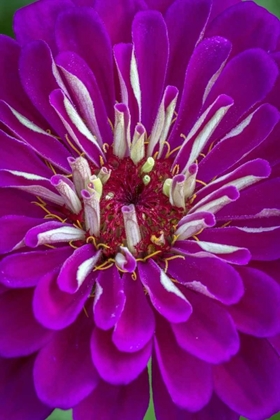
(250, 383)
(263, 243)
(165, 296)
(77, 267)
(59, 363)
(114, 366)
(82, 31)
(56, 309)
(109, 402)
(10, 88)
(259, 200)
(13, 230)
(86, 94)
(47, 146)
(209, 333)
(40, 80)
(109, 298)
(185, 20)
(25, 269)
(165, 409)
(18, 399)
(136, 325)
(206, 61)
(236, 24)
(149, 34)
(187, 379)
(208, 275)
(28, 27)
(27, 160)
(121, 11)
(259, 125)
(247, 78)
(21, 334)
(258, 312)
(19, 204)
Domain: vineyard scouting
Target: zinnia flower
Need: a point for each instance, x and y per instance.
(140, 210)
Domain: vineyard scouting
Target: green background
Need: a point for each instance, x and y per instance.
(7, 8)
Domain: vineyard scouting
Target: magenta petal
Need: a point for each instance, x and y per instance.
(165, 296)
(187, 379)
(19, 205)
(250, 383)
(136, 325)
(13, 230)
(77, 267)
(56, 309)
(185, 20)
(28, 27)
(109, 298)
(109, 402)
(121, 11)
(20, 334)
(40, 80)
(258, 312)
(149, 34)
(262, 31)
(247, 78)
(209, 275)
(83, 32)
(165, 409)
(263, 243)
(114, 366)
(18, 399)
(209, 333)
(26, 269)
(61, 380)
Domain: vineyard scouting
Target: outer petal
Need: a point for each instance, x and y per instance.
(18, 399)
(108, 402)
(185, 20)
(237, 25)
(250, 383)
(109, 298)
(208, 275)
(28, 21)
(209, 333)
(121, 11)
(258, 312)
(165, 296)
(63, 372)
(136, 325)
(56, 309)
(113, 366)
(150, 41)
(76, 268)
(38, 81)
(21, 334)
(187, 379)
(25, 269)
(83, 32)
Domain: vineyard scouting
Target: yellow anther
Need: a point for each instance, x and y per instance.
(168, 148)
(79, 224)
(54, 216)
(195, 237)
(173, 257)
(201, 182)
(105, 147)
(134, 276)
(72, 245)
(85, 311)
(91, 239)
(101, 245)
(176, 170)
(72, 145)
(193, 198)
(149, 256)
(173, 151)
(50, 246)
(211, 146)
(49, 165)
(101, 160)
(226, 224)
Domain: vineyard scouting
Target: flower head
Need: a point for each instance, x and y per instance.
(140, 210)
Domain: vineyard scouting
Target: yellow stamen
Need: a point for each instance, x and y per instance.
(50, 246)
(85, 311)
(226, 224)
(91, 239)
(72, 145)
(54, 216)
(176, 170)
(196, 238)
(134, 276)
(149, 256)
(72, 245)
(173, 151)
(105, 147)
(170, 259)
(201, 182)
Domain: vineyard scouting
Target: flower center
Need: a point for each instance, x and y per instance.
(139, 189)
